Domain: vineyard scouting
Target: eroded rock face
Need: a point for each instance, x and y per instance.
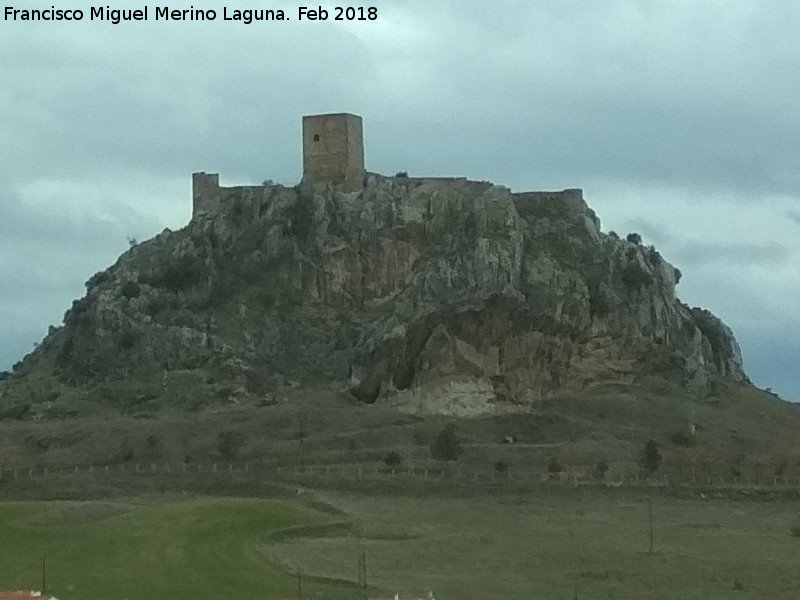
(438, 296)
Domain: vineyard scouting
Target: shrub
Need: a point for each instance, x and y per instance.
(780, 468)
(501, 466)
(598, 302)
(181, 273)
(300, 218)
(401, 174)
(127, 339)
(650, 458)
(393, 459)
(17, 412)
(635, 276)
(736, 465)
(447, 445)
(130, 289)
(229, 443)
(653, 256)
(123, 454)
(613, 234)
(97, 279)
(678, 275)
(795, 531)
(681, 438)
(634, 238)
(554, 465)
(602, 469)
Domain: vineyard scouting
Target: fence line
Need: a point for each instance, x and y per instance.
(355, 472)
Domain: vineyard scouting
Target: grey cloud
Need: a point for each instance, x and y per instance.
(772, 360)
(696, 253)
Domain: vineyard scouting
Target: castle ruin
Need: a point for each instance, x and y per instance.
(333, 152)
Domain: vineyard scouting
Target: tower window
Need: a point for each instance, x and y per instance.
(316, 137)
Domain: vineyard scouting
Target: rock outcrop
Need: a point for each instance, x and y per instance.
(436, 295)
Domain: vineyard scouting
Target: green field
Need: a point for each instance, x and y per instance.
(148, 550)
(546, 545)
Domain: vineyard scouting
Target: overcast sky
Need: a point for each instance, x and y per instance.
(678, 118)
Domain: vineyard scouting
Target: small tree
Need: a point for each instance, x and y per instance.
(650, 459)
(634, 238)
(554, 465)
(393, 459)
(447, 445)
(229, 443)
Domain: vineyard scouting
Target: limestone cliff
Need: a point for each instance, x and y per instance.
(437, 295)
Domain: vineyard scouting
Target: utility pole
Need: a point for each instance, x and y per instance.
(299, 585)
(302, 437)
(650, 522)
(364, 566)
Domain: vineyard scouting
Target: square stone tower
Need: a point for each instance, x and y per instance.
(333, 150)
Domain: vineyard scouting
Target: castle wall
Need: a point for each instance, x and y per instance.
(333, 150)
(571, 199)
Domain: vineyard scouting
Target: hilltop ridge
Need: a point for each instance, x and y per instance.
(435, 295)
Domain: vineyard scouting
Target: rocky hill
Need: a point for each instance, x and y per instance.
(438, 296)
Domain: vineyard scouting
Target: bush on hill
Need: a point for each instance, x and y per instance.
(447, 445)
(650, 459)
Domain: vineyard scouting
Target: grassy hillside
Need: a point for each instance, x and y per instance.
(737, 430)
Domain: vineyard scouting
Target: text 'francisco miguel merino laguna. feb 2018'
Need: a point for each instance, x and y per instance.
(165, 13)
